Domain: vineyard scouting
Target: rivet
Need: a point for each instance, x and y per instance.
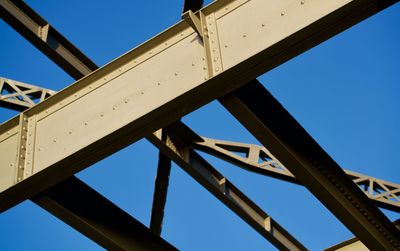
(181, 34)
(204, 68)
(150, 52)
(215, 59)
(119, 69)
(21, 167)
(282, 13)
(39, 149)
(126, 101)
(8, 133)
(22, 147)
(101, 114)
(205, 27)
(75, 95)
(47, 111)
(22, 156)
(134, 61)
(262, 25)
(158, 83)
(54, 140)
(70, 132)
(19, 179)
(166, 43)
(86, 123)
(226, 8)
(176, 73)
(203, 58)
(114, 108)
(28, 162)
(217, 69)
(302, 2)
(205, 78)
(244, 35)
(226, 46)
(193, 64)
(141, 92)
(11, 164)
(26, 119)
(105, 78)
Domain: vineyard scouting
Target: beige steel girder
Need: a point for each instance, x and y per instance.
(20, 96)
(156, 83)
(260, 160)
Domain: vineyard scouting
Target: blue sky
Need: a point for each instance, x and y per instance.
(345, 92)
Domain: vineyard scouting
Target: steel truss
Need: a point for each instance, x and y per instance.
(204, 73)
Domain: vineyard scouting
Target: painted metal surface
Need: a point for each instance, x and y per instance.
(99, 219)
(20, 96)
(177, 147)
(40, 33)
(178, 83)
(274, 127)
(260, 160)
(232, 64)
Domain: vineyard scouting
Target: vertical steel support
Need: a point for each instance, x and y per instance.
(160, 190)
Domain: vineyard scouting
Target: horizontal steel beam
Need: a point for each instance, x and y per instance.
(276, 129)
(177, 147)
(99, 219)
(122, 102)
(48, 40)
(260, 160)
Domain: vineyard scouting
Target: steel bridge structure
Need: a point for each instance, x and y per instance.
(199, 59)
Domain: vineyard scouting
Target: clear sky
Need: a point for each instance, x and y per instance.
(345, 93)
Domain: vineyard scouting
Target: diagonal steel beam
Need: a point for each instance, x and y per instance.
(99, 219)
(260, 160)
(276, 129)
(47, 39)
(168, 93)
(305, 34)
(177, 147)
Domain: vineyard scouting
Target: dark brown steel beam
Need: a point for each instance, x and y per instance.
(274, 127)
(99, 219)
(193, 5)
(177, 146)
(160, 191)
(44, 37)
